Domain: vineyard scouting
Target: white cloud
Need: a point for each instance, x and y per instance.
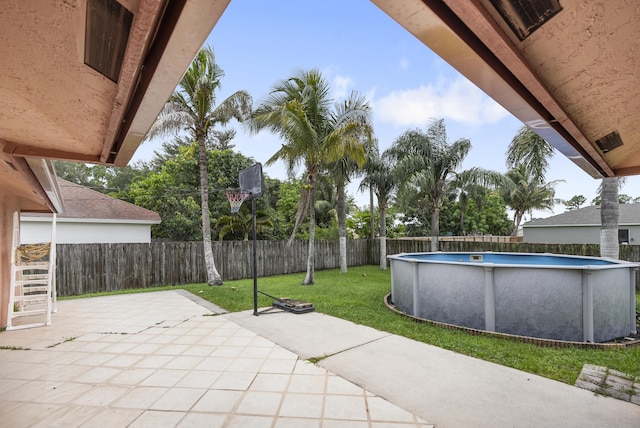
(457, 100)
(340, 86)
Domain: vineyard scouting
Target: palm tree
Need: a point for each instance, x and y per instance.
(242, 223)
(530, 149)
(523, 193)
(426, 163)
(381, 179)
(609, 207)
(192, 108)
(314, 134)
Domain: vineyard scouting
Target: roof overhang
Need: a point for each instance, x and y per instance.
(574, 79)
(57, 104)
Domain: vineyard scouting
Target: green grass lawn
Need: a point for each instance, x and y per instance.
(358, 296)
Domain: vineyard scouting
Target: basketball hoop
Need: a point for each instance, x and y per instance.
(236, 198)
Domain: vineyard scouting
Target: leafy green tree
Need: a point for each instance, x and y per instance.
(575, 202)
(530, 149)
(427, 166)
(485, 214)
(523, 193)
(241, 223)
(381, 178)
(192, 108)
(173, 191)
(299, 110)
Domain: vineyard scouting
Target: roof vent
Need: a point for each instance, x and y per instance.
(106, 36)
(609, 142)
(526, 16)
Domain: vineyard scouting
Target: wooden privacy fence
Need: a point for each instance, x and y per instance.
(90, 268)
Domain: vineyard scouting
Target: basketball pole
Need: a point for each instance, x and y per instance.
(255, 258)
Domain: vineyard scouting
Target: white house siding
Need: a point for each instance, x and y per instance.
(573, 234)
(83, 232)
(562, 235)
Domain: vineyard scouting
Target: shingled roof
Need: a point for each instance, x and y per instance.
(629, 214)
(83, 203)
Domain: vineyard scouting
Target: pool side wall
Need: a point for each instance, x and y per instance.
(581, 305)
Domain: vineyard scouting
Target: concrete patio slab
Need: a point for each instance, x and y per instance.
(161, 359)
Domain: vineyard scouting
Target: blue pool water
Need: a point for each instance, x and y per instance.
(510, 259)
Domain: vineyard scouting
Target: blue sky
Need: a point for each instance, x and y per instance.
(358, 47)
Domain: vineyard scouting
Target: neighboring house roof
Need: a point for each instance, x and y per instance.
(628, 214)
(83, 203)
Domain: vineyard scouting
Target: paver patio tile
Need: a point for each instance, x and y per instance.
(199, 350)
(199, 420)
(198, 379)
(154, 361)
(98, 375)
(123, 360)
(180, 399)
(141, 397)
(309, 384)
(270, 382)
(67, 417)
(27, 414)
(278, 366)
(260, 403)
(164, 377)
(218, 401)
(249, 365)
(157, 419)
(29, 391)
(102, 395)
(112, 417)
(131, 376)
(296, 423)
(339, 386)
(214, 364)
(345, 407)
(242, 421)
(302, 405)
(345, 424)
(64, 393)
(234, 380)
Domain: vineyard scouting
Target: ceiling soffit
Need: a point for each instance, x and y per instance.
(574, 79)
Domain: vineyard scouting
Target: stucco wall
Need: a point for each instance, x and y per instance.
(33, 231)
(8, 206)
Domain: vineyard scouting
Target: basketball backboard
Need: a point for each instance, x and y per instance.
(252, 180)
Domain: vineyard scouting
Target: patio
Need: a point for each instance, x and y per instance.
(160, 359)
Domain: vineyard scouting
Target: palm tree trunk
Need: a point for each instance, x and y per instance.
(300, 214)
(517, 218)
(342, 227)
(435, 228)
(213, 277)
(383, 235)
(309, 279)
(609, 207)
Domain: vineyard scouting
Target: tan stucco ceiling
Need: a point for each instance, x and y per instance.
(574, 80)
(53, 106)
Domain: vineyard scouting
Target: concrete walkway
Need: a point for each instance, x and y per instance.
(163, 360)
(443, 387)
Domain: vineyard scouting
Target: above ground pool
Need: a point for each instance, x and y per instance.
(547, 296)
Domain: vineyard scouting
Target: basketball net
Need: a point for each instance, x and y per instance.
(236, 198)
